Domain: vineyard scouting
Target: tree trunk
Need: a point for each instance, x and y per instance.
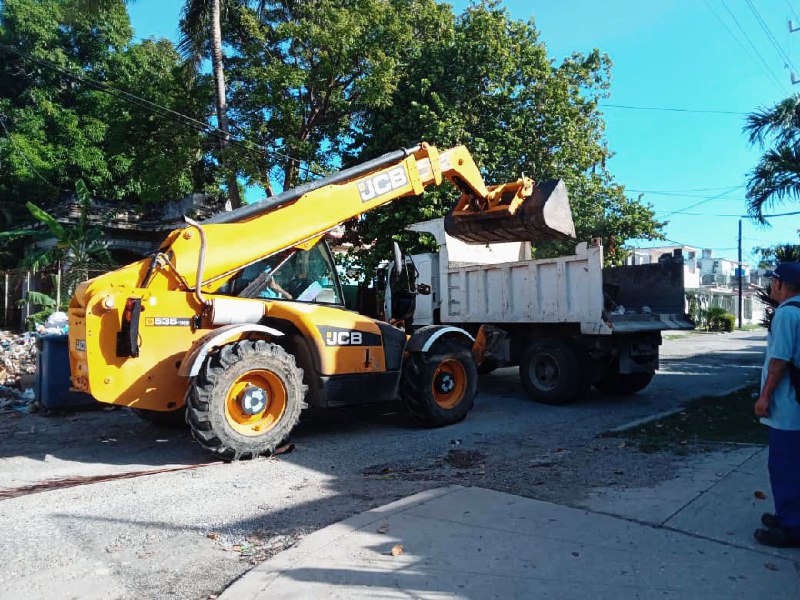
(219, 98)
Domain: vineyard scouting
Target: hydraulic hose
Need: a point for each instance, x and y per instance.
(201, 261)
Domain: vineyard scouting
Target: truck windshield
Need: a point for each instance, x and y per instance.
(304, 276)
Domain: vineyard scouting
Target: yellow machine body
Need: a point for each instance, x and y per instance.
(175, 291)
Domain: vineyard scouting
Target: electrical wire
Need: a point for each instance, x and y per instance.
(765, 28)
(674, 109)
(709, 199)
(753, 46)
(707, 189)
(747, 50)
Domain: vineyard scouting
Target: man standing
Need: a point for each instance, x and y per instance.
(778, 407)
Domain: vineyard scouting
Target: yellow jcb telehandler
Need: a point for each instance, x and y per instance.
(239, 321)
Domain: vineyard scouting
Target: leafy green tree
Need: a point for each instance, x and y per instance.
(55, 129)
(485, 80)
(776, 177)
(201, 36)
(306, 75)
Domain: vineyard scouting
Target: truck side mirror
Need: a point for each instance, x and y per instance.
(398, 259)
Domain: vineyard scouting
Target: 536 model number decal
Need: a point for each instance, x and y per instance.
(167, 322)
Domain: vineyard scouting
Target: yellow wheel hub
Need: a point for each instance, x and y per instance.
(449, 383)
(255, 402)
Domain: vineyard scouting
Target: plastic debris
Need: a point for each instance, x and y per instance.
(17, 358)
(58, 322)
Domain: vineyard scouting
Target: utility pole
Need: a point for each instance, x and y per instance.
(740, 273)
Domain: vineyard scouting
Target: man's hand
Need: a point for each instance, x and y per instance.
(762, 406)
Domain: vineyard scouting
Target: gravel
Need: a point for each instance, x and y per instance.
(190, 533)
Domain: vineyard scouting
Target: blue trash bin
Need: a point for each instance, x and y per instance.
(52, 375)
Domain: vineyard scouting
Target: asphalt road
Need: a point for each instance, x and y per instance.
(190, 532)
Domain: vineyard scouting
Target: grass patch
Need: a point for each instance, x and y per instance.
(726, 418)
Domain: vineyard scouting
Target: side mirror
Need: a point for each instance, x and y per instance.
(398, 259)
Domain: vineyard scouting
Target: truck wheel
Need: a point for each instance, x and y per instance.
(175, 419)
(438, 387)
(553, 372)
(246, 399)
(614, 382)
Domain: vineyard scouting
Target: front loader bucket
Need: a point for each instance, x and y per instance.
(543, 215)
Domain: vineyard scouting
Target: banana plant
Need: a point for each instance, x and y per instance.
(78, 247)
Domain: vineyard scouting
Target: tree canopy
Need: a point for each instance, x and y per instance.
(55, 129)
(485, 80)
(316, 85)
(776, 177)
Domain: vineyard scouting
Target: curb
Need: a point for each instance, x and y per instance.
(256, 580)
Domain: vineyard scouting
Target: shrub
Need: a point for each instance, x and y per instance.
(728, 322)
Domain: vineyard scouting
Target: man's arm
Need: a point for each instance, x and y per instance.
(775, 372)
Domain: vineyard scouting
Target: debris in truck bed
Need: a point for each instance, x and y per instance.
(17, 358)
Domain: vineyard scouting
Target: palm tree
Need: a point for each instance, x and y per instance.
(201, 31)
(776, 178)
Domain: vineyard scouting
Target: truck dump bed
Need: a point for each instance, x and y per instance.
(476, 287)
(646, 297)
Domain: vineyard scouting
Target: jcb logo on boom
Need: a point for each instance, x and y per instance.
(343, 338)
(382, 183)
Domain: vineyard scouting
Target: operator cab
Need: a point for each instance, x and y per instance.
(292, 274)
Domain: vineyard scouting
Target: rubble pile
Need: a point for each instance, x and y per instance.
(17, 358)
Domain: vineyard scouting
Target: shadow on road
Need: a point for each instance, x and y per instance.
(120, 438)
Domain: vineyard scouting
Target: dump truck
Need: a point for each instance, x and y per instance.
(237, 323)
(567, 322)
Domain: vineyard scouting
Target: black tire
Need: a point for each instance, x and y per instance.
(210, 415)
(174, 419)
(554, 371)
(425, 378)
(622, 384)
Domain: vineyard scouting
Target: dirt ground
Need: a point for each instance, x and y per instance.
(144, 513)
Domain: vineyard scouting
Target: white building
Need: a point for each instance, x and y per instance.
(711, 280)
(721, 271)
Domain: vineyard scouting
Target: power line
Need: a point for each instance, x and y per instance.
(747, 51)
(167, 112)
(770, 36)
(732, 215)
(679, 195)
(709, 199)
(674, 109)
(707, 189)
(753, 46)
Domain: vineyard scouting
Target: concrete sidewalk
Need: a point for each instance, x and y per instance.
(476, 543)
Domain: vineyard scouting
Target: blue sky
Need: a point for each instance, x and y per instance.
(688, 54)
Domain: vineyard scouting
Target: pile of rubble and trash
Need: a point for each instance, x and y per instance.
(18, 352)
(17, 368)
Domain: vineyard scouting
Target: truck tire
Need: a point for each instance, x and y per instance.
(553, 371)
(622, 384)
(438, 387)
(246, 399)
(174, 419)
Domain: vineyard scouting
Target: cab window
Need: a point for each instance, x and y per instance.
(300, 275)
